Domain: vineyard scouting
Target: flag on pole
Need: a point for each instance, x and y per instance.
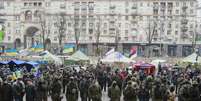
(133, 52)
(110, 52)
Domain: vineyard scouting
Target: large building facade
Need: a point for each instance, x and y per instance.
(155, 27)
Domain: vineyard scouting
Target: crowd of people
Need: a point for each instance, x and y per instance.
(90, 83)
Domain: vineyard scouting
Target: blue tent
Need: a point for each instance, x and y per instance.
(16, 62)
(3, 62)
(31, 63)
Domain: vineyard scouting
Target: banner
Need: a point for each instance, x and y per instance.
(1, 36)
(133, 52)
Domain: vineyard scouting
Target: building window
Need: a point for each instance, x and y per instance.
(17, 18)
(126, 10)
(25, 4)
(91, 5)
(119, 24)
(55, 38)
(8, 4)
(170, 25)
(8, 24)
(17, 31)
(141, 18)
(176, 32)
(126, 38)
(191, 11)
(127, 4)
(119, 38)
(184, 4)
(69, 24)
(28, 15)
(105, 25)
(177, 4)
(191, 26)
(62, 6)
(91, 24)
(177, 26)
(126, 32)
(141, 4)
(35, 3)
(9, 38)
(90, 31)
(48, 4)
(148, 4)
(90, 38)
(192, 4)
(126, 17)
(168, 32)
(37, 14)
(177, 11)
(30, 4)
(40, 4)
(105, 32)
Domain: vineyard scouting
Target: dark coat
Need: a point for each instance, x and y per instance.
(7, 92)
(30, 93)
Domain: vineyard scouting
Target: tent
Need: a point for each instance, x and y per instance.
(146, 67)
(156, 63)
(79, 56)
(3, 62)
(47, 56)
(192, 58)
(16, 62)
(116, 57)
(29, 65)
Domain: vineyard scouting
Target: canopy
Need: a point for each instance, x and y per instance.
(34, 64)
(3, 62)
(29, 65)
(192, 58)
(47, 56)
(79, 56)
(116, 57)
(144, 65)
(16, 62)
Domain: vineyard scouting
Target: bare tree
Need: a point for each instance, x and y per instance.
(194, 38)
(43, 26)
(98, 32)
(151, 31)
(77, 31)
(61, 25)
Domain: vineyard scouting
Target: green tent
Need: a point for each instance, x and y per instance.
(79, 56)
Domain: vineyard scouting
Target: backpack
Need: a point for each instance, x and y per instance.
(129, 92)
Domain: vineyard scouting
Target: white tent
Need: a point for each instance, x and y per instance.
(50, 57)
(156, 62)
(116, 57)
(192, 58)
(79, 56)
